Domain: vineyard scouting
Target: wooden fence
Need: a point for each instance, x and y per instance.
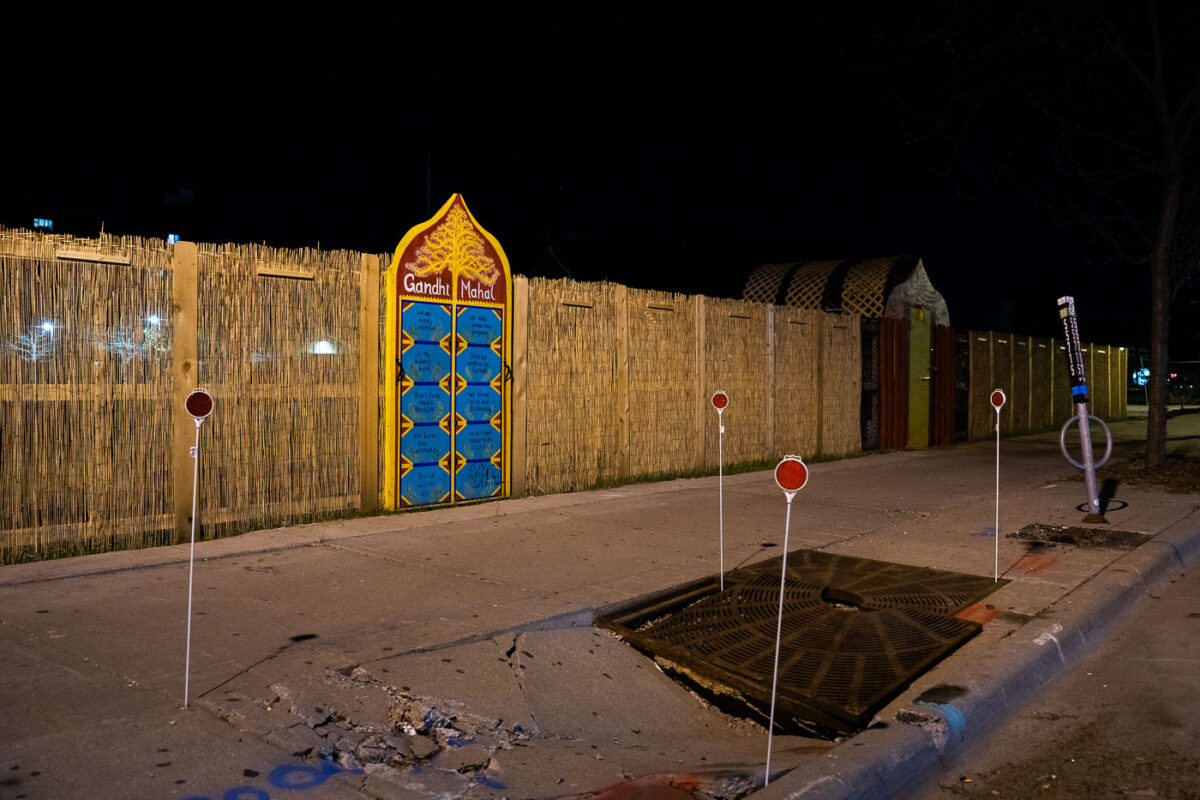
(101, 339)
(614, 383)
(1033, 374)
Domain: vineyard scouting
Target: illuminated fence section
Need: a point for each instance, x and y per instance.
(85, 341)
(1033, 374)
(278, 343)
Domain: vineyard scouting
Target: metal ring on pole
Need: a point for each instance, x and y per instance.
(1062, 442)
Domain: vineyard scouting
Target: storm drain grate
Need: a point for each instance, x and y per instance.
(855, 633)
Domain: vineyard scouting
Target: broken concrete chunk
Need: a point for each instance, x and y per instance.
(422, 747)
(468, 758)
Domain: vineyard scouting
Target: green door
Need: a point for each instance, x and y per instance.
(918, 378)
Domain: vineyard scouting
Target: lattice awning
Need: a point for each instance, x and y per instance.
(853, 286)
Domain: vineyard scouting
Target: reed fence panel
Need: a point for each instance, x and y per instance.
(1041, 384)
(662, 369)
(1002, 377)
(573, 430)
(1099, 378)
(735, 360)
(279, 355)
(980, 415)
(841, 384)
(84, 376)
(1020, 397)
(797, 381)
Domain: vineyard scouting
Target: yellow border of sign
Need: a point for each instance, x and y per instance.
(391, 442)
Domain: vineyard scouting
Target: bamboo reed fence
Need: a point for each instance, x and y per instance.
(572, 424)
(278, 349)
(84, 427)
(662, 361)
(736, 351)
(841, 384)
(618, 383)
(797, 380)
(613, 384)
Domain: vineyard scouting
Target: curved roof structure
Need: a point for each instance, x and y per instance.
(877, 287)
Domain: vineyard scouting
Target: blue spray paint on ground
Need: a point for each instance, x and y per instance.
(954, 718)
(291, 777)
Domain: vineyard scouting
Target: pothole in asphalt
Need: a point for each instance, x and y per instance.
(1077, 536)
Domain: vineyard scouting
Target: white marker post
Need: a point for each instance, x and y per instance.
(199, 404)
(998, 399)
(720, 401)
(790, 475)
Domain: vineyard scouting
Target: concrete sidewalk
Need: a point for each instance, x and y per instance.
(450, 653)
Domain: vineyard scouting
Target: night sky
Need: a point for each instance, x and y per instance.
(669, 152)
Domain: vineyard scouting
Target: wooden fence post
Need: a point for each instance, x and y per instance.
(702, 395)
(771, 455)
(184, 377)
(368, 383)
(520, 389)
(622, 303)
(822, 321)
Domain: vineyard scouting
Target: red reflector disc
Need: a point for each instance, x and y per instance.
(791, 474)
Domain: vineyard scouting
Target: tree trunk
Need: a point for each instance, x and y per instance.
(1160, 316)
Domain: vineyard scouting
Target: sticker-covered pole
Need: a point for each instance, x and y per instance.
(790, 475)
(199, 405)
(998, 399)
(1079, 394)
(720, 401)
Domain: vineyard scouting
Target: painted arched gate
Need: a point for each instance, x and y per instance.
(448, 338)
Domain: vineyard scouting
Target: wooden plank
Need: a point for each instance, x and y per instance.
(281, 509)
(368, 380)
(822, 322)
(520, 387)
(702, 396)
(184, 375)
(83, 392)
(622, 335)
(771, 453)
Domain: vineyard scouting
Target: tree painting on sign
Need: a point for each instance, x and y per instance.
(449, 311)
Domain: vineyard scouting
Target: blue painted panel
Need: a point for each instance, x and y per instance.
(425, 404)
(477, 480)
(478, 440)
(478, 364)
(479, 325)
(425, 443)
(425, 321)
(478, 403)
(426, 362)
(425, 485)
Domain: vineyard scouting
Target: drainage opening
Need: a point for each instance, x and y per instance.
(855, 633)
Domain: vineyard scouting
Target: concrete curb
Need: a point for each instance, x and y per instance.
(891, 756)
